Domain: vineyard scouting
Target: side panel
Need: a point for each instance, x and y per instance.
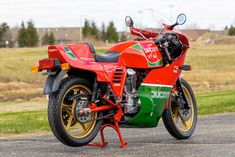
(117, 76)
(73, 55)
(153, 98)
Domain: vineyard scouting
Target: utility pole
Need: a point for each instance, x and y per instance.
(81, 26)
(171, 6)
(140, 12)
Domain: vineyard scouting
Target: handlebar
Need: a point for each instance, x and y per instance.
(164, 44)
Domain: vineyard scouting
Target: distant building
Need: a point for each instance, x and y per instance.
(63, 35)
(66, 35)
(194, 34)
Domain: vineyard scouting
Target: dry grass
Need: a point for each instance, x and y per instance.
(213, 67)
(16, 91)
(35, 104)
(213, 70)
(16, 63)
(214, 38)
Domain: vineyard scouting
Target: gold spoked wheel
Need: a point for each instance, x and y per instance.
(181, 122)
(76, 126)
(183, 125)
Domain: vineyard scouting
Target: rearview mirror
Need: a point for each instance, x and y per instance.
(181, 19)
(129, 22)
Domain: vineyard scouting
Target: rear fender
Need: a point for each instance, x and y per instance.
(53, 82)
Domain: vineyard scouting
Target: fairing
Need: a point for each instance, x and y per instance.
(154, 93)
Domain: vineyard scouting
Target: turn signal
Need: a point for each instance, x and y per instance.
(35, 69)
(185, 67)
(65, 66)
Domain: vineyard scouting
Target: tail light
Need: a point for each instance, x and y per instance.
(49, 64)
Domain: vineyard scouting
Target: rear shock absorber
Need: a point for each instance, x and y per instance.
(94, 92)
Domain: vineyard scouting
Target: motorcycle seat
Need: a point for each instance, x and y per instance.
(108, 57)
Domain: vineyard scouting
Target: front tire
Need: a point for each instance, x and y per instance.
(174, 123)
(61, 114)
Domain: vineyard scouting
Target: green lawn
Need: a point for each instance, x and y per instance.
(23, 122)
(36, 121)
(216, 102)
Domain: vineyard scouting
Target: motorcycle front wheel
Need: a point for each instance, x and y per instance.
(177, 126)
(69, 128)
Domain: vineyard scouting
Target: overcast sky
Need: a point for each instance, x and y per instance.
(53, 13)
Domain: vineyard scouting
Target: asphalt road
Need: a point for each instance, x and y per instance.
(214, 136)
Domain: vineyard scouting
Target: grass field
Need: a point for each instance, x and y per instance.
(36, 121)
(23, 107)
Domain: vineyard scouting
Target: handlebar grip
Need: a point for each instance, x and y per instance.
(167, 53)
(159, 41)
(162, 42)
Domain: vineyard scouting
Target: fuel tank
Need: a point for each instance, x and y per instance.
(138, 54)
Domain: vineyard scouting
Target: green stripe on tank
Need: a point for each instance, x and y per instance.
(137, 47)
(158, 63)
(69, 52)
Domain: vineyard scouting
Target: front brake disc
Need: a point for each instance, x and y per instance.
(185, 114)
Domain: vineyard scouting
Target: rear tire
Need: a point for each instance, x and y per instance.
(170, 115)
(61, 114)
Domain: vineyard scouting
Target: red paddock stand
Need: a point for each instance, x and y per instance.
(103, 144)
(115, 126)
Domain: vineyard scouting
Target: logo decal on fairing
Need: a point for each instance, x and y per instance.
(69, 52)
(160, 94)
(151, 53)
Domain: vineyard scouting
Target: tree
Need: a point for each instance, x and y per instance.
(103, 32)
(94, 30)
(123, 37)
(52, 39)
(48, 39)
(226, 28)
(231, 31)
(32, 35)
(111, 33)
(45, 39)
(86, 30)
(22, 36)
(27, 36)
(3, 32)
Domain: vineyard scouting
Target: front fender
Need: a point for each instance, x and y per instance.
(53, 82)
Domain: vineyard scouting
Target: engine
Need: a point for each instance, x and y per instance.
(130, 100)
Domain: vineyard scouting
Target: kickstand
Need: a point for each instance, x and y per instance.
(103, 144)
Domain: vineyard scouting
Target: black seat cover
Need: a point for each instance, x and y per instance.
(108, 57)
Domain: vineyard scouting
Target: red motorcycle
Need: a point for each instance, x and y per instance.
(133, 84)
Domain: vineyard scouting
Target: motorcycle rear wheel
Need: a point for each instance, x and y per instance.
(174, 123)
(61, 114)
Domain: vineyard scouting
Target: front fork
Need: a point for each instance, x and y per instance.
(181, 97)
